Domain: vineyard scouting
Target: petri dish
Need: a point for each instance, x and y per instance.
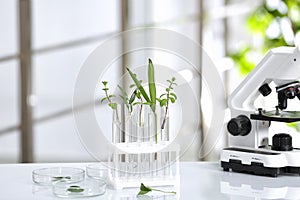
(97, 171)
(48, 176)
(86, 188)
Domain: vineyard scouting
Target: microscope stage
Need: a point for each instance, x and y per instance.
(282, 116)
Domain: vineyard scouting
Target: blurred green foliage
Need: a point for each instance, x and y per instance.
(265, 22)
(294, 125)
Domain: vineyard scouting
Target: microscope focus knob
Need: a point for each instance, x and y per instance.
(282, 142)
(241, 125)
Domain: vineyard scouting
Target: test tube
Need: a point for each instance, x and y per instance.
(127, 130)
(116, 127)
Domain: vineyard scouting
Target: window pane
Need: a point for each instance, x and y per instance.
(57, 21)
(9, 112)
(54, 79)
(175, 9)
(9, 80)
(144, 12)
(8, 24)
(58, 141)
(9, 151)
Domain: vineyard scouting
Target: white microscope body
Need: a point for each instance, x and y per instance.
(249, 150)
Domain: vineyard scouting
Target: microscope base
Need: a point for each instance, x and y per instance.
(258, 162)
(254, 168)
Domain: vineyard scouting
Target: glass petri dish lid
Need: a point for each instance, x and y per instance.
(97, 171)
(48, 176)
(86, 188)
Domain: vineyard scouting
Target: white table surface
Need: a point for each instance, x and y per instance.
(198, 180)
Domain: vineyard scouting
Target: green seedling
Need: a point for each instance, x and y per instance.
(139, 85)
(136, 94)
(109, 99)
(145, 189)
(124, 96)
(166, 98)
(151, 101)
(140, 97)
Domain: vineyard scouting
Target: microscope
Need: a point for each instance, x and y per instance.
(249, 148)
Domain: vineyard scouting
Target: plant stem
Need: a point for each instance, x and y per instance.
(166, 113)
(140, 113)
(169, 192)
(167, 107)
(156, 133)
(110, 101)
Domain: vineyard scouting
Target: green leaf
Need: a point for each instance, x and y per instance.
(103, 99)
(162, 95)
(163, 102)
(168, 89)
(151, 82)
(138, 85)
(143, 192)
(112, 95)
(104, 83)
(105, 89)
(123, 92)
(113, 105)
(132, 98)
(174, 95)
(132, 85)
(137, 103)
(75, 189)
(172, 99)
(123, 98)
(145, 188)
(173, 79)
(58, 178)
(169, 81)
(141, 103)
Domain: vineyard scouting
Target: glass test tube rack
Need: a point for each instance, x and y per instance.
(142, 152)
